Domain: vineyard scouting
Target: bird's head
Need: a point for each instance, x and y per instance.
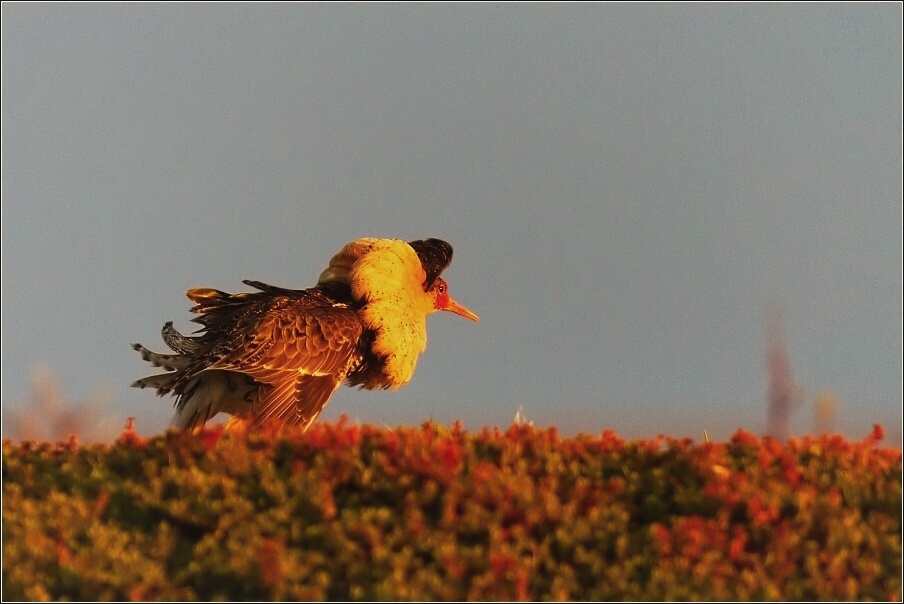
(395, 277)
(435, 255)
(439, 298)
(396, 285)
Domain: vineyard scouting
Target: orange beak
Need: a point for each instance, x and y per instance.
(460, 310)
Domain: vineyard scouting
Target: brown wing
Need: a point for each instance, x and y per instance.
(295, 401)
(300, 349)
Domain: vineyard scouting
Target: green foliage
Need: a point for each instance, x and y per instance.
(363, 513)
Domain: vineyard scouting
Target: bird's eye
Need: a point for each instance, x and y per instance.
(441, 288)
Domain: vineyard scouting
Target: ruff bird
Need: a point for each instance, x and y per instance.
(280, 354)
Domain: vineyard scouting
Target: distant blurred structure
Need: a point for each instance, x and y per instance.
(825, 409)
(520, 418)
(784, 394)
(47, 416)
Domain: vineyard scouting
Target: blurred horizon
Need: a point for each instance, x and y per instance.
(630, 190)
(47, 414)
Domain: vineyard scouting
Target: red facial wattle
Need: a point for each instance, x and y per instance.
(442, 300)
(445, 302)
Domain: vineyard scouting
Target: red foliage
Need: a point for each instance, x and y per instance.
(209, 437)
(271, 562)
(356, 512)
(876, 435)
(742, 437)
(130, 437)
(327, 501)
(737, 544)
(101, 503)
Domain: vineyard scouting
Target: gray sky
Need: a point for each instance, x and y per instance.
(628, 189)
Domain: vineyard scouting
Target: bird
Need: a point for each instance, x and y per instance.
(277, 354)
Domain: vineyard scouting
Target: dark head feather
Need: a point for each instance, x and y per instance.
(435, 256)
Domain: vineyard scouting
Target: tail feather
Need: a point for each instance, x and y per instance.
(207, 298)
(195, 407)
(273, 290)
(170, 362)
(162, 382)
(202, 392)
(178, 342)
(210, 393)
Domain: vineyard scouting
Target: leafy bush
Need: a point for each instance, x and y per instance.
(364, 513)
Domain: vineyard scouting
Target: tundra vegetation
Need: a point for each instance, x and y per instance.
(348, 512)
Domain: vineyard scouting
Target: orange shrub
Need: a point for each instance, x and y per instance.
(431, 513)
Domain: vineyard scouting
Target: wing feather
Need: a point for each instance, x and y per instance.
(300, 352)
(278, 353)
(295, 402)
